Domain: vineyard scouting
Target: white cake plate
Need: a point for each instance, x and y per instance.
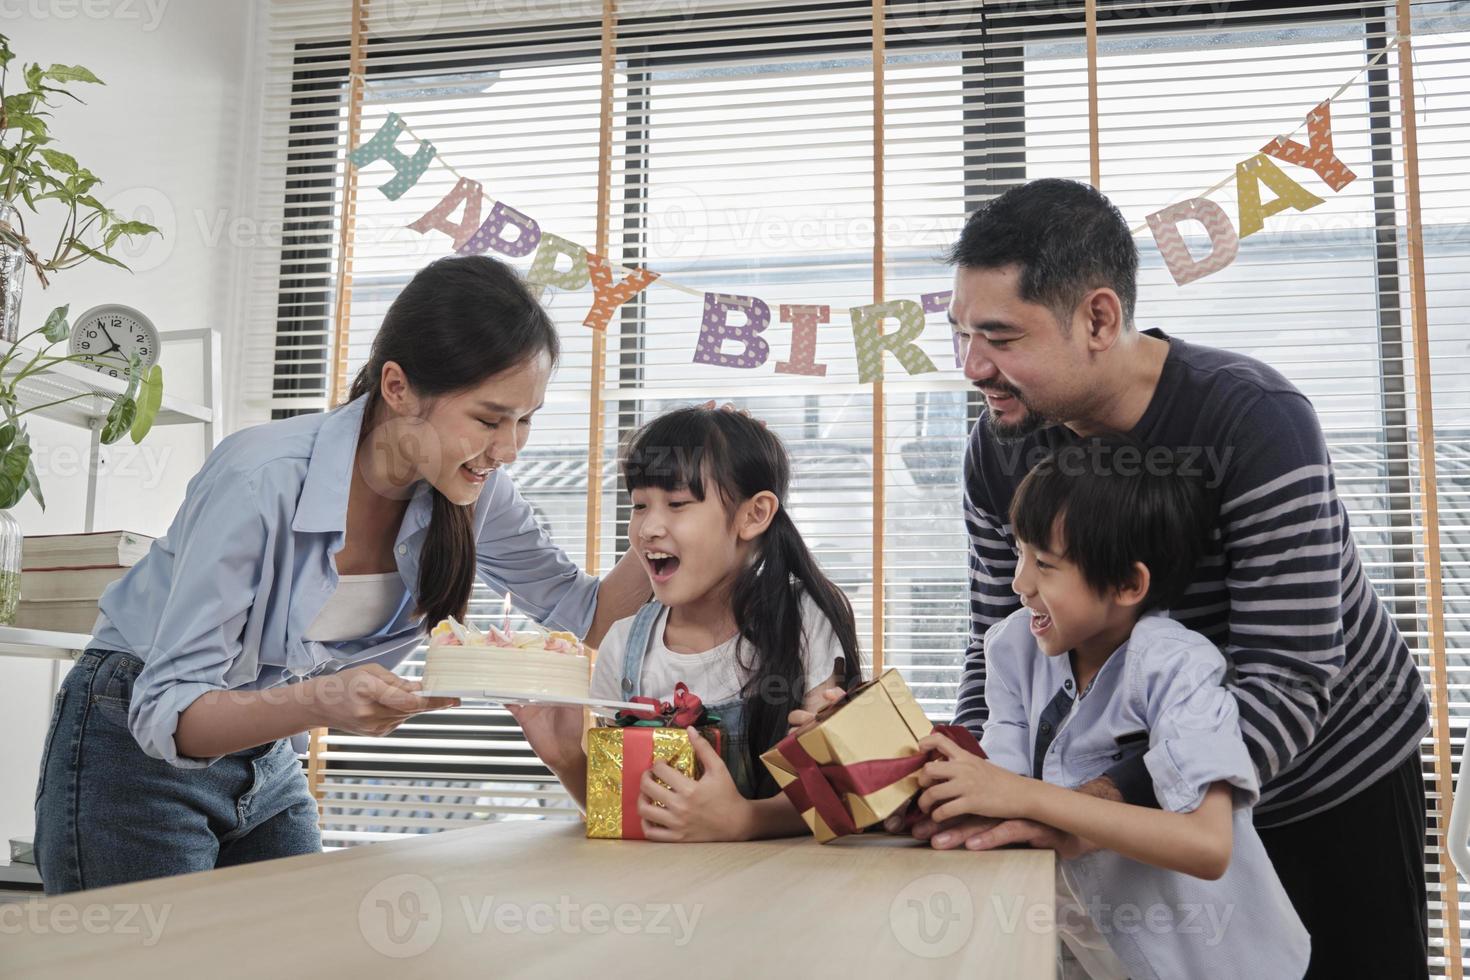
(605, 708)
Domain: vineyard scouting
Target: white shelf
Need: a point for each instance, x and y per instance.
(42, 644)
(66, 380)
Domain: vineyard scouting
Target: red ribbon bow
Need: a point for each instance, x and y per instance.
(686, 710)
(820, 786)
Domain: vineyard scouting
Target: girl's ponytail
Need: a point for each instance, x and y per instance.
(767, 604)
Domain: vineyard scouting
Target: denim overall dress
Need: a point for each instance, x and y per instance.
(731, 713)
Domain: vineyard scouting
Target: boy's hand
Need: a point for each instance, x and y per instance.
(676, 809)
(962, 783)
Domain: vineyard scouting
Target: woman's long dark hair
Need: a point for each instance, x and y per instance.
(695, 448)
(459, 321)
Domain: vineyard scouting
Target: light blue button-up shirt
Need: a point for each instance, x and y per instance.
(221, 602)
(1162, 694)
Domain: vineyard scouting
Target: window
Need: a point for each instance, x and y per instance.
(742, 156)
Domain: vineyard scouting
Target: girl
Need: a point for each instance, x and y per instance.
(309, 552)
(741, 613)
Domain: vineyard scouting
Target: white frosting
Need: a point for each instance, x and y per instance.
(533, 673)
(530, 664)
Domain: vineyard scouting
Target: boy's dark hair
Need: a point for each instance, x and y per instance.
(1113, 503)
(1066, 237)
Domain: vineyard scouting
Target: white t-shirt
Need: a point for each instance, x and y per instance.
(714, 675)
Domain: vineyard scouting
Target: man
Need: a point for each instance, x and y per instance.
(1331, 705)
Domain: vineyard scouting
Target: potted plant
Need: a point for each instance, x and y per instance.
(33, 172)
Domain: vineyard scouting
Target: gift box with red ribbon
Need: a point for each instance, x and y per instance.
(858, 762)
(619, 755)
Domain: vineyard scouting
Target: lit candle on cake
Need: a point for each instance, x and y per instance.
(505, 616)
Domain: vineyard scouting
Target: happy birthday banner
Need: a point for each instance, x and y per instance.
(516, 234)
(724, 341)
(1317, 156)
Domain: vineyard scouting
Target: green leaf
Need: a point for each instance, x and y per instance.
(135, 376)
(119, 420)
(149, 402)
(19, 104)
(13, 467)
(57, 329)
(93, 253)
(7, 436)
(134, 228)
(64, 162)
(70, 73)
(33, 483)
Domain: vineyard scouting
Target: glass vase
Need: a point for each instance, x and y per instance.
(10, 545)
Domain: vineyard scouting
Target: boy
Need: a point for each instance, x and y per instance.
(1092, 671)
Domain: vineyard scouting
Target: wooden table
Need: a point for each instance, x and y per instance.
(529, 897)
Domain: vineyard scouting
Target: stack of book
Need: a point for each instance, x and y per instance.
(63, 575)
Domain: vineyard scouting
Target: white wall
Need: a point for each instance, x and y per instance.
(170, 135)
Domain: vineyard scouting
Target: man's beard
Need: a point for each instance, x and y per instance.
(1029, 422)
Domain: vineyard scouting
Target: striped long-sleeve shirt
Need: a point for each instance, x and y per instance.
(1329, 696)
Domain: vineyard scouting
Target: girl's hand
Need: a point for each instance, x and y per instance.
(677, 809)
(830, 693)
(553, 731)
(962, 782)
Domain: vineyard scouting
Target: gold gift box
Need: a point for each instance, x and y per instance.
(605, 772)
(879, 720)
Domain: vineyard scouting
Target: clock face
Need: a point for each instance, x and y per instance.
(107, 336)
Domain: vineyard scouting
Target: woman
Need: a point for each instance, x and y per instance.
(308, 558)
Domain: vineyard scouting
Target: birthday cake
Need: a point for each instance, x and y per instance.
(533, 664)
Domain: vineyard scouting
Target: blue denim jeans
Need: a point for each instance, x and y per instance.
(107, 813)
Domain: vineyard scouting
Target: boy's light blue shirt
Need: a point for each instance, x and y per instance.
(1161, 694)
(222, 600)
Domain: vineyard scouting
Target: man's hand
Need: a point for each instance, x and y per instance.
(988, 833)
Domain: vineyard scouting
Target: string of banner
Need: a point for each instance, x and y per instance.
(739, 344)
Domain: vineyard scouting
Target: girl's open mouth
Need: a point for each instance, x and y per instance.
(1040, 623)
(663, 564)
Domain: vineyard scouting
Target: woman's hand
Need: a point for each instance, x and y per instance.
(962, 783)
(553, 731)
(677, 809)
(368, 700)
